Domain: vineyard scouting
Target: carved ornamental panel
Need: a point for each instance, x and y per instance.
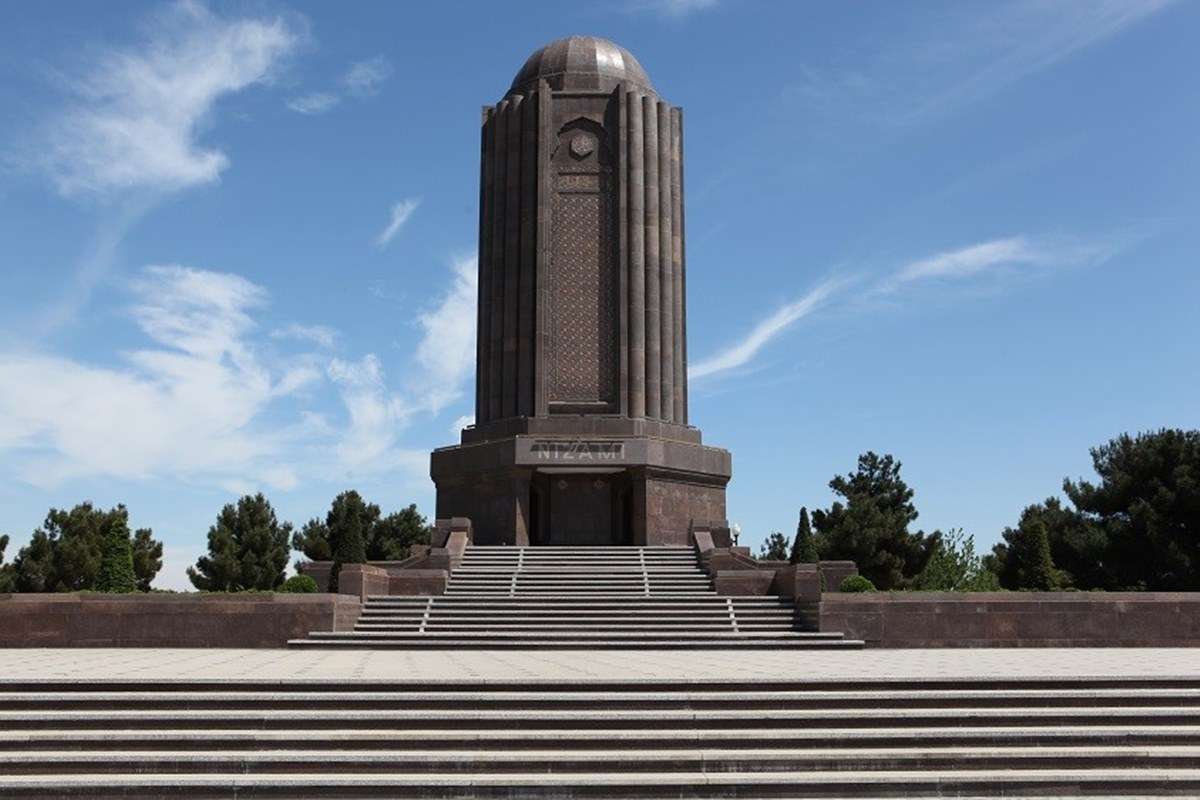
(583, 283)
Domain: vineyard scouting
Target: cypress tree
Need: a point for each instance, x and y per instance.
(116, 561)
(1040, 573)
(804, 549)
(348, 521)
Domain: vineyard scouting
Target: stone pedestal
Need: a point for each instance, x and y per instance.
(581, 490)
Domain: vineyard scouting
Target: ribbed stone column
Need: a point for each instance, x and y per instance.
(666, 265)
(484, 315)
(499, 206)
(528, 249)
(679, 358)
(637, 258)
(512, 253)
(653, 300)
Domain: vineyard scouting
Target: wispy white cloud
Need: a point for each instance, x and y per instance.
(211, 400)
(745, 349)
(320, 335)
(959, 55)
(365, 78)
(182, 408)
(129, 131)
(465, 421)
(672, 8)
(446, 352)
(1000, 258)
(362, 79)
(315, 103)
(376, 414)
(995, 263)
(400, 214)
(135, 115)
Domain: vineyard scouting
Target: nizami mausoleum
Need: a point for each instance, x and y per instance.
(581, 433)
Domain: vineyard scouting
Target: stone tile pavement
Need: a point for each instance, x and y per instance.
(433, 666)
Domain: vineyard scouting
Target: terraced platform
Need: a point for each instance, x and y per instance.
(485, 737)
(571, 597)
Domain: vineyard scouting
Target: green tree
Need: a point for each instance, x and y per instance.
(804, 548)
(348, 521)
(775, 548)
(65, 553)
(247, 549)
(1078, 548)
(387, 538)
(116, 561)
(1147, 501)
(871, 527)
(1035, 565)
(392, 538)
(147, 558)
(954, 567)
(8, 578)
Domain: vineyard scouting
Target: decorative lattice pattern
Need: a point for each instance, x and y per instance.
(583, 299)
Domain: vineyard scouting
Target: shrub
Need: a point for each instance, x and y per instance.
(299, 584)
(856, 583)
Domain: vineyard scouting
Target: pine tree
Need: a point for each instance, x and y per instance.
(247, 549)
(116, 562)
(871, 527)
(804, 548)
(775, 548)
(66, 552)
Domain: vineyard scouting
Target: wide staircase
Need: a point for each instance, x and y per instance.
(571, 597)
(663, 738)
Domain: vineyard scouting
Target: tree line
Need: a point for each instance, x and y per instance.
(90, 549)
(1136, 527)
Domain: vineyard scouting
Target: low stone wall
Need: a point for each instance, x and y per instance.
(169, 620)
(1015, 619)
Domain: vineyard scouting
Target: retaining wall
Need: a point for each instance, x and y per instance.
(1015, 619)
(168, 620)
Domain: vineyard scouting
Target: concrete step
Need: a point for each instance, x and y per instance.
(918, 783)
(570, 740)
(566, 615)
(667, 642)
(605, 719)
(557, 761)
(584, 639)
(734, 699)
(622, 737)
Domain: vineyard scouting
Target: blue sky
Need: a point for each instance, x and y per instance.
(239, 242)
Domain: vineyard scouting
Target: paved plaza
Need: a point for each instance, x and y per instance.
(434, 666)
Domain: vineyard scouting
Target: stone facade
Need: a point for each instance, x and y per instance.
(581, 432)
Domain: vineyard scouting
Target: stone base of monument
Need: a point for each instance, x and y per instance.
(588, 488)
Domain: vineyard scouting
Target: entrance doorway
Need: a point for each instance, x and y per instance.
(580, 509)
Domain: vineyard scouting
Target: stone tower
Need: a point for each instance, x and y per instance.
(581, 431)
